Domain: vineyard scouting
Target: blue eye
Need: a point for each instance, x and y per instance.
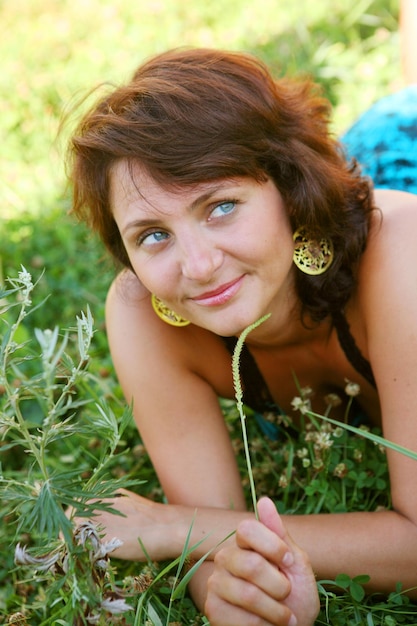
(152, 239)
(224, 208)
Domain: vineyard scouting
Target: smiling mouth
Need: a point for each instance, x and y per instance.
(221, 295)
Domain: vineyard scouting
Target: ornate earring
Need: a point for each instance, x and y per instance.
(166, 314)
(311, 256)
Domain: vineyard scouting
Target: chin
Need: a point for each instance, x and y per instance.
(232, 328)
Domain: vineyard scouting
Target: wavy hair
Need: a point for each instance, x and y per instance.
(195, 115)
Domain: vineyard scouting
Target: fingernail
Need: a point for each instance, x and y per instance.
(293, 621)
(288, 559)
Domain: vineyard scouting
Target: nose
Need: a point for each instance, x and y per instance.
(200, 258)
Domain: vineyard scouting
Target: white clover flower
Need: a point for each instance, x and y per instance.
(303, 452)
(323, 440)
(283, 481)
(340, 470)
(318, 464)
(306, 392)
(352, 389)
(298, 404)
(357, 455)
(332, 400)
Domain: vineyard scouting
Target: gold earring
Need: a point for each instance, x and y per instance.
(311, 256)
(166, 314)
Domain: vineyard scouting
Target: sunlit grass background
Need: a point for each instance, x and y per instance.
(53, 52)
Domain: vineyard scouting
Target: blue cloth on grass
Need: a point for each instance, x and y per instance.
(384, 141)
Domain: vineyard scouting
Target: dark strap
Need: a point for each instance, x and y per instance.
(351, 350)
(256, 392)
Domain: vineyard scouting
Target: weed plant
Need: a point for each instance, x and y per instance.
(68, 439)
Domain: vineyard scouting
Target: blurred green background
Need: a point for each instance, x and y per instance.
(54, 51)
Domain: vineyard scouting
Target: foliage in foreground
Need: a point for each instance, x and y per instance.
(52, 458)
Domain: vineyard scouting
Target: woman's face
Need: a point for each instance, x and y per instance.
(217, 253)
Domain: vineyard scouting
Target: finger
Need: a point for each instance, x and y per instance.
(269, 516)
(239, 596)
(221, 613)
(252, 567)
(254, 535)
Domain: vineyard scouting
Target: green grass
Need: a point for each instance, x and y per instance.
(52, 53)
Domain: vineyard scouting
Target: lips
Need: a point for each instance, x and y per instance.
(221, 295)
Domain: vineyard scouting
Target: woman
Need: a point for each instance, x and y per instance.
(225, 197)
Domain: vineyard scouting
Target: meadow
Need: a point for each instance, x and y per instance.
(67, 435)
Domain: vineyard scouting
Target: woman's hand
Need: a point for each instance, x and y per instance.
(142, 521)
(263, 574)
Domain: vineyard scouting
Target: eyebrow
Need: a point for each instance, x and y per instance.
(201, 199)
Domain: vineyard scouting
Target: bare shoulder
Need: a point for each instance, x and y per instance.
(392, 233)
(397, 210)
(387, 274)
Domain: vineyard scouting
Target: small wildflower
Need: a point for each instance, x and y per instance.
(285, 420)
(352, 389)
(87, 531)
(332, 400)
(340, 470)
(338, 432)
(298, 404)
(310, 436)
(306, 463)
(142, 582)
(17, 618)
(306, 392)
(323, 441)
(25, 279)
(115, 607)
(357, 455)
(42, 563)
(318, 464)
(283, 481)
(139, 451)
(303, 452)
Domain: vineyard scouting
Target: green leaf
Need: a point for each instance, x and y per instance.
(357, 591)
(362, 579)
(343, 580)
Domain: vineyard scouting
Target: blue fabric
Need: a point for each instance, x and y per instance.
(269, 429)
(384, 141)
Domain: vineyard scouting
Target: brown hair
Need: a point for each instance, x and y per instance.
(189, 116)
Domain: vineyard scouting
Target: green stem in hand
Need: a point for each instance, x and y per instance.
(239, 402)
